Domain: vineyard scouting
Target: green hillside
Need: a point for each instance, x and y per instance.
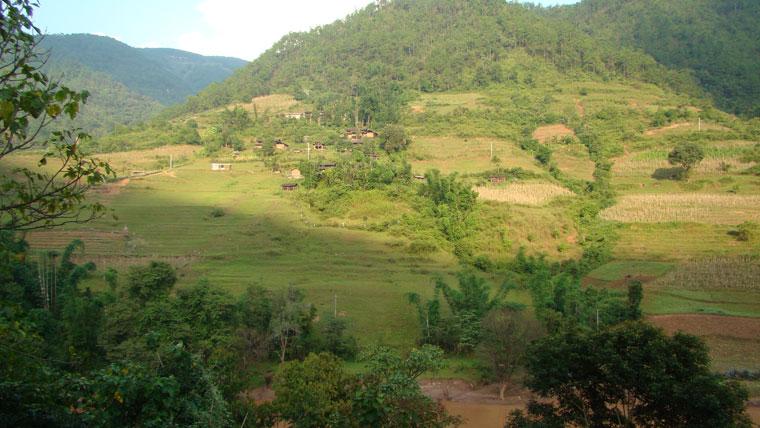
(362, 66)
(398, 177)
(128, 85)
(717, 41)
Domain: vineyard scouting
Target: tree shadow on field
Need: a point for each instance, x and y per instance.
(668, 173)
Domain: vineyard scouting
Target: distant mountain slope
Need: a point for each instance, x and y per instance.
(128, 85)
(376, 54)
(717, 40)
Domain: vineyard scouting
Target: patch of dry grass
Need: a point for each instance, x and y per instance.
(630, 167)
(544, 133)
(466, 155)
(275, 103)
(689, 207)
(685, 127)
(446, 103)
(532, 194)
(741, 273)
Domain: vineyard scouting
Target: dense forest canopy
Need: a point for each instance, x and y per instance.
(716, 40)
(128, 85)
(361, 67)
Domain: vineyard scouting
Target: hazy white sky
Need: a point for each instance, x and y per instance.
(239, 28)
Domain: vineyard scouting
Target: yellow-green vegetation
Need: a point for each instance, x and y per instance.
(523, 193)
(619, 270)
(688, 208)
(265, 236)
(466, 155)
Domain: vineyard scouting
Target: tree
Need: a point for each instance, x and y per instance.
(506, 334)
(686, 155)
(145, 283)
(318, 392)
(631, 374)
(394, 139)
(291, 317)
(314, 393)
(30, 101)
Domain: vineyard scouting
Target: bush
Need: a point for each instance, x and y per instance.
(217, 212)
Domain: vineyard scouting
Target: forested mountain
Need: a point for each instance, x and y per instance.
(717, 40)
(362, 65)
(128, 85)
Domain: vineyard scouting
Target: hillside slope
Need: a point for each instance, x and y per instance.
(360, 67)
(716, 40)
(128, 85)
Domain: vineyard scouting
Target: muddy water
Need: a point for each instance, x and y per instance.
(478, 415)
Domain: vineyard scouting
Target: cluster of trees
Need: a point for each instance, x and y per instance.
(360, 172)
(585, 353)
(318, 392)
(140, 353)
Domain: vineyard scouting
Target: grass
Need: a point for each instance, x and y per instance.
(523, 193)
(552, 132)
(124, 162)
(690, 207)
(678, 242)
(446, 103)
(265, 237)
(618, 270)
(573, 160)
(466, 155)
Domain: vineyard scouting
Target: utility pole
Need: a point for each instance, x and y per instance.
(699, 126)
(171, 161)
(335, 304)
(491, 150)
(308, 150)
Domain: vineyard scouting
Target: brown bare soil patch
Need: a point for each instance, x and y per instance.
(418, 108)
(544, 133)
(710, 325)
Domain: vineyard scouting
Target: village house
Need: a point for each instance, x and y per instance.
(221, 166)
(497, 179)
(368, 133)
(258, 145)
(419, 177)
(280, 145)
(289, 187)
(319, 146)
(295, 174)
(324, 166)
(298, 115)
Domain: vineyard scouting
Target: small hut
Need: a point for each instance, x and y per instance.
(324, 166)
(221, 166)
(368, 133)
(258, 145)
(280, 145)
(419, 177)
(295, 174)
(353, 134)
(289, 187)
(319, 146)
(497, 179)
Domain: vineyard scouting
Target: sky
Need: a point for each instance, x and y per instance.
(238, 28)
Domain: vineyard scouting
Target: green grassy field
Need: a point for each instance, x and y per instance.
(266, 237)
(349, 253)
